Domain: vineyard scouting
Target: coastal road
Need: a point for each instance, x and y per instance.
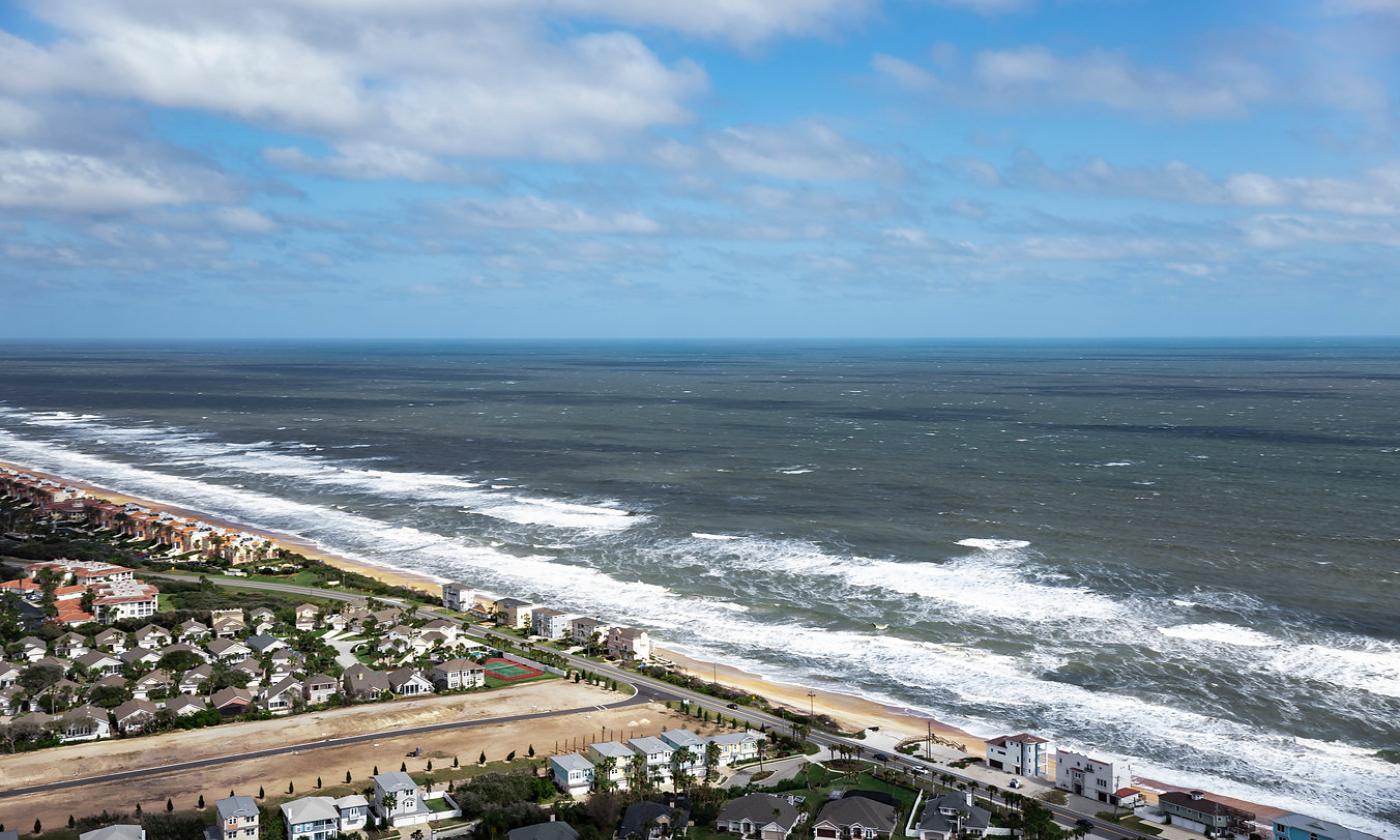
(914, 766)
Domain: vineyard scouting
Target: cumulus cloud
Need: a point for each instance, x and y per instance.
(45, 179)
(243, 220)
(906, 74)
(458, 84)
(371, 162)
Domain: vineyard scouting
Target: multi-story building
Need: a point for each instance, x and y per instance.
(614, 756)
(514, 613)
(550, 623)
(572, 773)
(1022, 755)
(323, 818)
(1196, 811)
(1084, 776)
(238, 819)
(456, 596)
(585, 631)
(629, 644)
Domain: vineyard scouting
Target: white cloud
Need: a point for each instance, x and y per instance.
(987, 7)
(534, 213)
(455, 84)
(1287, 231)
(43, 179)
(243, 220)
(906, 74)
(370, 162)
(808, 151)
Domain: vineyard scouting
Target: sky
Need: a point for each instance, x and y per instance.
(715, 168)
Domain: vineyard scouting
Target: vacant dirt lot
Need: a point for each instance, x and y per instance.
(568, 730)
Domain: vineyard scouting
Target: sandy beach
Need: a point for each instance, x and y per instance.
(851, 712)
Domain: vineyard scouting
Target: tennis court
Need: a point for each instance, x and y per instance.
(504, 669)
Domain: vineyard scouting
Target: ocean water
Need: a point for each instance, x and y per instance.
(1185, 556)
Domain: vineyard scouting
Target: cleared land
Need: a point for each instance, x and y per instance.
(302, 769)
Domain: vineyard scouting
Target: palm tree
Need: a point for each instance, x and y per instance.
(680, 766)
(711, 761)
(603, 778)
(762, 748)
(638, 777)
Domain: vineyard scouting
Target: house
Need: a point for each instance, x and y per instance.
(140, 657)
(192, 631)
(397, 800)
(319, 688)
(549, 623)
(1127, 797)
(97, 663)
(149, 684)
(952, 816)
(322, 818)
(261, 643)
(238, 819)
(856, 816)
(614, 756)
(283, 697)
(85, 723)
(115, 832)
(629, 644)
(111, 640)
(227, 629)
(552, 830)
(483, 605)
(585, 631)
(651, 820)
(70, 645)
(685, 739)
(513, 612)
(737, 747)
(195, 679)
(185, 705)
(408, 682)
(9, 674)
(1299, 827)
(262, 615)
(761, 816)
(134, 716)
(152, 637)
(9, 700)
(122, 599)
(363, 683)
(572, 773)
(457, 673)
(33, 649)
(658, 754)
(306, 615)
(184, 647)
(1084, 776)
(231, 701)
(1020, 755)
(252, 669)
(228, 650)
(1197, 812)
(448, 630)
(456, 596)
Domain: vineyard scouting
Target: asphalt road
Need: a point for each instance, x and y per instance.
(660, 689)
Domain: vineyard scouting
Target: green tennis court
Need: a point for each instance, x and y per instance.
(503, 669)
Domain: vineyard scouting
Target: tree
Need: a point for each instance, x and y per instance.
(318, 782)
(291, 788)
(638, 775)
(531, 751)
(390, 801)
(481, 759)
(711, 762)
(347, 777)
(510, 756)
(403, 766)
(38, 826)
(430, 765)
(169, 806)
(261, 793)
(71, 822)
(455, 762)
(603, 777)
(200, 806)
(681, 760)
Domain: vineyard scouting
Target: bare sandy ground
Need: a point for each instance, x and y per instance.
(567, 732)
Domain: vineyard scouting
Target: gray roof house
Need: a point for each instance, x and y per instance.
(953, 815)
(761, 815)
(857, 818)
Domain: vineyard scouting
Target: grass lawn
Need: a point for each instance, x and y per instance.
(439, 804)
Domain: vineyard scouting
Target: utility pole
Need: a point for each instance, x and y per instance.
(811, 704)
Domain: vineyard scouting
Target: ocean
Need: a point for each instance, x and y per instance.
(1182, 555)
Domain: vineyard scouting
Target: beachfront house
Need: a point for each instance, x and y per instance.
(759, 816)
(238, 819)
(629, 644)
(1194, 811)
(1084, 776)
(856, 816)
(456, 596)
(1300, 827)
(1020, 755)
(953, 816)
(514, 613)
(586, 631)
(550, 623)
(572, 773)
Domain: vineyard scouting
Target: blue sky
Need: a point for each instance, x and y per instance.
(757, 168)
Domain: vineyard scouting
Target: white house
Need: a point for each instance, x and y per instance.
(1020, 755)
(396, 799)
(737, 747)
(409, 682)
(685, 739)
(629, 644)
(322, 818)
(550, 624)
(572, 773)
(658, 754)
(238, 819)
(456, 596)
(584, 630)
(456, 674)
(1084, 776)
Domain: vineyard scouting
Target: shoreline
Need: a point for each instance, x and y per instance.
(852, 712)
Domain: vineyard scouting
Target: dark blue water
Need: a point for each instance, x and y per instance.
(1186, 555)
